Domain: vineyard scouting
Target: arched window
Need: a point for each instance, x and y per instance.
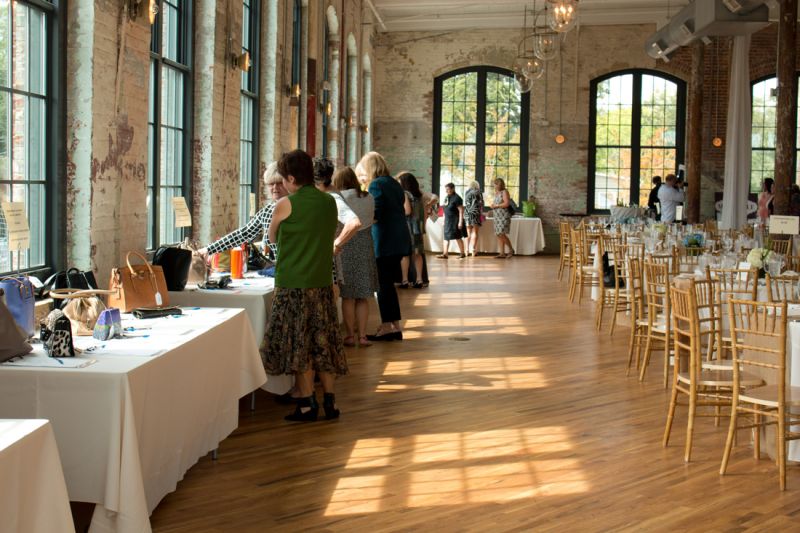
(636, 132)
(764, 133)
(248, 130)
(169, 125)
(480, 131)
(330, 115)
(31, 129)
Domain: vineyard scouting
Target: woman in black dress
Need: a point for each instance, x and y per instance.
(453, 221)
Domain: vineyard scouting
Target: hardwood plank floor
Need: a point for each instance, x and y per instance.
(504, 411)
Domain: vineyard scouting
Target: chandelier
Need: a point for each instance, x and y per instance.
(562, 15)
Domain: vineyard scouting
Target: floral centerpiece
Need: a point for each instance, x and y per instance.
(758, 258)
(693, 242)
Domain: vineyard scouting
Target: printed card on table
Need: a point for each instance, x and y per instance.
(19, 235)
(183, 218)
(783, 225)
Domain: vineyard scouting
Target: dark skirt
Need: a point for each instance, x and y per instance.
(303, 333)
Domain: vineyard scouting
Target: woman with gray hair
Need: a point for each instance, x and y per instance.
(259, 224)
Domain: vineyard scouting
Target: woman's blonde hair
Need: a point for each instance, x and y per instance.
(373, 164)
(475, 185)
(271, 174)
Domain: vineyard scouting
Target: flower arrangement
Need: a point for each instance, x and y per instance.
(693, 240)
(660, 228)
(758, 257)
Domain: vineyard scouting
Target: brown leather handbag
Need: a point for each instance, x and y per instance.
(197, 270)
(82, 307)
(135, 286)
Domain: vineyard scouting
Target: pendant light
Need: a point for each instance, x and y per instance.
(562, 15)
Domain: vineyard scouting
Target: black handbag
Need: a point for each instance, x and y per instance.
(69, 279)
(148, 312)
(56, 335)
(255, 259)
(610, 274)
(175, 263)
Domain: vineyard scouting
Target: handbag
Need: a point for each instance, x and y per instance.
(21, 302)
(56, 335)
(198, 271)
(108, 325)
(141, 285)
(82, 308)
(221, 262)
(175, 262)
(69, 279)
(13, 342)
(149, 312)
(255, 259)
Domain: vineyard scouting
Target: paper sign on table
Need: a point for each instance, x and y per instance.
(784, 225)
(183, 218)
(19, 235)
(678, 212)
(252, 204)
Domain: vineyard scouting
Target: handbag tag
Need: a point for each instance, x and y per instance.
(159, 301)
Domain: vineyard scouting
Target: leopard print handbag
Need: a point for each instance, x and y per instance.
(56, 335)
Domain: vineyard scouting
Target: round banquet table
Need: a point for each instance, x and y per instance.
(526, 236)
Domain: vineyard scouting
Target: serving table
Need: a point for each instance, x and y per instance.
(34, 496)
(144, 410)
(254, 295)
(526, 236)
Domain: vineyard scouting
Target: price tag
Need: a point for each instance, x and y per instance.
(183, 218)
(783, 225)
(252, 204)
(19, 234)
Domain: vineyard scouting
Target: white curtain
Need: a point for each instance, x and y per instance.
(737, 138)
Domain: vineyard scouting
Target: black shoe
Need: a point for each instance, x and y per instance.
(403, 285)
(383, 337)
(418, 285)
(306, 411)
(397, 335)
(286, 399)
(329, 405)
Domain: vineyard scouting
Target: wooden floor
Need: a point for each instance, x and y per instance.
(502, 411)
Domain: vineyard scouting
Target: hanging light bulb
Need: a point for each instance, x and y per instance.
(562, 14)
(533, 68)
(524, 83)
(546, 45)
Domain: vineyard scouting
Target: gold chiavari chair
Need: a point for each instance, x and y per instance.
(780, 246)
(759, 346)
(689, 257)
(793, 263)
(738, 283)
(605, 295)
(702, 388)
(585, 273)
(657, 280)
(565, 249)
(669, 258)
(638, 305)
(782, 288)
(622, 296)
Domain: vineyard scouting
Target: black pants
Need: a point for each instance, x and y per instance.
(412, 271)
(388, 270)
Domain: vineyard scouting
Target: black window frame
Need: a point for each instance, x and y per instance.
(480, 134)
(326, 96)
(636, 129)
(55, 185)
(251, 89)
(186, 52)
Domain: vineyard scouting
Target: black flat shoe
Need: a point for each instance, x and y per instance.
(306, 410)
(403, 285)
(397, 335)
(286, 399)
(329, 405)
(383, 337)
(418, 285)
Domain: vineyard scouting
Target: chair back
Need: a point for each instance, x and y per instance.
(685, 327)
(635, 280)
(739, 283)
(780, 246)
(758, 338)
(657, 279)
(783, 288)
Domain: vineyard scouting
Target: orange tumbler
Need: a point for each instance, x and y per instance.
(237, 265)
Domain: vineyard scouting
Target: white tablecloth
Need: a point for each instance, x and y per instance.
(254, 295)
(130, 425)
(33, 496)
(526, 235)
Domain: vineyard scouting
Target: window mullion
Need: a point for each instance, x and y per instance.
(480, 131)
(636, 134)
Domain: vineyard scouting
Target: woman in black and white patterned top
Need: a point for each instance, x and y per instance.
(259, 224)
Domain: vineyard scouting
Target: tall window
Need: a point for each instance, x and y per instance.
(480, 131)
(636, 132)
(248, 134)
(764, 133)
(28, 145)
(326, 93)
(169, 119)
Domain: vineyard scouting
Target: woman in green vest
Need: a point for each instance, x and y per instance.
(303, 331)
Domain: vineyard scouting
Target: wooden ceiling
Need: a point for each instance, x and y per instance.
(446, 15)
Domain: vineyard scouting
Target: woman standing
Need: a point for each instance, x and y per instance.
(502, 219)
(415, 219)
(473, 211)
(358, 259)
(390, 234)
(765, 200)
(453, 221)
(304, 330)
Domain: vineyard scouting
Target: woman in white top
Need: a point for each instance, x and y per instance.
(358, 259)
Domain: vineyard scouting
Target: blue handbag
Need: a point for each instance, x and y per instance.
(20, 301)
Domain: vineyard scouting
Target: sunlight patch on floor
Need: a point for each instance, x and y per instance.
(494, 467)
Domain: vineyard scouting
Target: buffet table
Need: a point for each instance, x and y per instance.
(526, 235)
(254, 295)
(34, 496)
(142, 411)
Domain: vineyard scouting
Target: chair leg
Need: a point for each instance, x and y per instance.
(780, 449)
(598, 314)
(648, 348)
(673, 402)
(757, 437)
(729, 441)
(687, 454)
(614, 311)
(666, 359)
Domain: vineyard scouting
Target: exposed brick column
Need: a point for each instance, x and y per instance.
(695, 133)
(787, 107)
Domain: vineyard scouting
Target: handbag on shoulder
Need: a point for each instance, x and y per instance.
(13, 342)
(82, 308)
(141, 285)
(20, 300)
(255, 259)
(56, 335)
(175, 262)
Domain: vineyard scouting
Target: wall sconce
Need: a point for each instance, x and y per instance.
(241, 61)
(152, 11)
(364, 128)
(326, 108)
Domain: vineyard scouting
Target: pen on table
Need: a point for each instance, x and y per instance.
(60, 362)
